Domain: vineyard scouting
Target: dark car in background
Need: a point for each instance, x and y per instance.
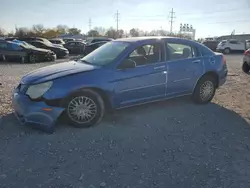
(68, 40)
(57, 41)
(98, 39)
(91, 47)
(75, 47)
(23, 52)
(211, 44)
(60, 51)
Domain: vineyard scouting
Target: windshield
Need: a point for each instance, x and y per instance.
(106, 53)
(222, 42)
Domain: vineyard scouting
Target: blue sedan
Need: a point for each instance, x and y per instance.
(119, 74)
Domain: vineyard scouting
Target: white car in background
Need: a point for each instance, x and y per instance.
(232, 45)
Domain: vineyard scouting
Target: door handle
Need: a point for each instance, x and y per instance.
(160, 67)
(196, 61)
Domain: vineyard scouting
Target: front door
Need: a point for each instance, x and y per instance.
(146, 81)
(185, 67)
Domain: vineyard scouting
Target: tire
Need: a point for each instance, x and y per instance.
(93, 102)
(227, 50)
(245, 67)
(208, 81)
(33, 58)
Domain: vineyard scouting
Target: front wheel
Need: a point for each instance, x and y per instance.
(245, 67)
(204, 90)
(33, 58)
(85, 109)
(227, 51)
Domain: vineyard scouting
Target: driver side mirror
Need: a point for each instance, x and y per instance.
(127, 64)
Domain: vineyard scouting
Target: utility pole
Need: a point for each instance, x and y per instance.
(172, 13)
(117, 15)
(90, 22)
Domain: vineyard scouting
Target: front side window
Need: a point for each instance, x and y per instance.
(146, 54)
(106, 53)
(14, 47)
(178, 51)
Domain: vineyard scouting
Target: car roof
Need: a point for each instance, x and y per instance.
(137, 39)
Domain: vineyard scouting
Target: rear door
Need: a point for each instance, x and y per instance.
(185, 65)
(71, 47)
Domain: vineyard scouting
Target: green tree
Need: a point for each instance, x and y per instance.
(134, 32)
(74, 31)
(51, 33)
(111, 33)
(93, 33)
(120, 33)
(62, 29)
(100, 30)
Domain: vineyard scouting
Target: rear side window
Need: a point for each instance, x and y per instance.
(3, 45)
(177, 51)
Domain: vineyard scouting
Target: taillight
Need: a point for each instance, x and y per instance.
(247, 52)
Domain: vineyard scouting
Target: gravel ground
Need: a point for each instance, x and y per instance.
(184, 145)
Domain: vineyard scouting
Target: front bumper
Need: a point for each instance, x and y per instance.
(37, 114)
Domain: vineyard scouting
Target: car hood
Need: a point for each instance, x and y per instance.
(57, 48)
(56, 71)
(57, 45)
(40, 50)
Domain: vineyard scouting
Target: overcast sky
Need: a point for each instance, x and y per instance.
(210, 17)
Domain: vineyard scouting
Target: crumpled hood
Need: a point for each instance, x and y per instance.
(55, 71)
(41, 50)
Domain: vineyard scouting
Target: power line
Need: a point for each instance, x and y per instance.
(90, 23)
(219, 11)
(117, 15)
(172, 20)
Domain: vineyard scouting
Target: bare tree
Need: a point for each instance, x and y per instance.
(38, 29)
(2, 32)
(62, 29)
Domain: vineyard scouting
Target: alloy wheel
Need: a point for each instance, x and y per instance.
(82, 109)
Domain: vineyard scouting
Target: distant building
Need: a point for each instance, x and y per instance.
(242, 37)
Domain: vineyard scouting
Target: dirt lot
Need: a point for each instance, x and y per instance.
(168, 144)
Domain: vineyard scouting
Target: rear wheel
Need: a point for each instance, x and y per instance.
(33, 58)
(227, 51)
(204, 90)
(85, 109)
(245, 67)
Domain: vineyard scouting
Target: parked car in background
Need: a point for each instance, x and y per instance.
(57, 41)
(246, 61)
(91, 47)
(68, 40)
(75, 47)
(232, 45)
(211, 44)
(98, 39)
(58, 50)
(121, 73)
(23, 52)
(247, 44)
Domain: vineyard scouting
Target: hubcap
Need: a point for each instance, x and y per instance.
(206, 90)
(33, 58)
(82, 109)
